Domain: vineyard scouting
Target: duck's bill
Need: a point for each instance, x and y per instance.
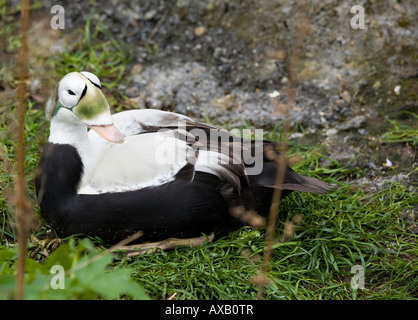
(109, 132)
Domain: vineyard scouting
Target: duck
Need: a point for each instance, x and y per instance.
(150, 171)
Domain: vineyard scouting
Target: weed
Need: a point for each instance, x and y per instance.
(85, 275)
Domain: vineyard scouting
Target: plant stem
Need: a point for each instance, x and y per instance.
(23, 210)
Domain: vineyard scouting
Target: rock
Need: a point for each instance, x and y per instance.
(224, 103)
(279, 55)
(296, 136)
(362, 131)
(274, 94)
(345, 156)
(153, 103)
(219, 52)
(183, 3)
(353, 123)
(331, 132)
(150, 14)
(136, 69)
(200, 31)
(377, 85)
(345, 95)
(388, 163)
(268, 70)
(132, 92)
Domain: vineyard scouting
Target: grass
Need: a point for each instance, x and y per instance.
(351, 226)
(402, 133)
(346, 228)
(108, 58)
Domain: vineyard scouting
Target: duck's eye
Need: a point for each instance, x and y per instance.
(70, 90)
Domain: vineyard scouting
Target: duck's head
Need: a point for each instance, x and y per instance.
(78, 97)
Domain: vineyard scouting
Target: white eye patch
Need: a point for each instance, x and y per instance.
(70, 90)
(93, 78)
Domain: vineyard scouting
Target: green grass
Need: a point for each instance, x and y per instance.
(402, 133)
(346, 228)
(353, 225)
(108, 59)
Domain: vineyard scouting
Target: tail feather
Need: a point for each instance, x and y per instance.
(309, 184)
(292, 180)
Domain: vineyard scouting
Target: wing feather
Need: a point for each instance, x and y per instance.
(141, 161)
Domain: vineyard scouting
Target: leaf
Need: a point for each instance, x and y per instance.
(86, 275)
(7, 255)
(115, 284)
(111, 285)
(7, 285)
(62, 256)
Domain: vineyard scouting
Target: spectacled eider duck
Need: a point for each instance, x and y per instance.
(149, 170)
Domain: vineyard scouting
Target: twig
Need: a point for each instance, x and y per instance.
(281, 158)
(23, 209)
(157, 27)
(272, 220)
(124, 242)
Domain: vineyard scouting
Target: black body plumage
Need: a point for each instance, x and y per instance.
(179, 208)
